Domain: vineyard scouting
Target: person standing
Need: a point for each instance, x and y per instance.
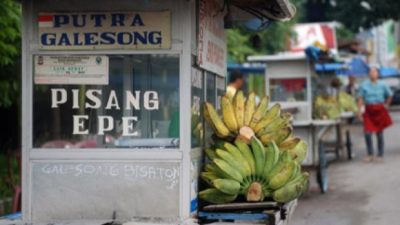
(376, 96)
(351, 87)
(236, 82)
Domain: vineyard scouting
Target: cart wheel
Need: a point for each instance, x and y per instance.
(322, 169)
(348, 146)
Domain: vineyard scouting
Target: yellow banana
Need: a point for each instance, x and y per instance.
(270, 116)
(228, 114)
(289, 143)
(230, 187)
(260, 112)
(215, 122)
(239, 103)
(283, 134)
(250, 108)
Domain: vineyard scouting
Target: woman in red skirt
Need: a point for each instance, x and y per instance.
(376, 96)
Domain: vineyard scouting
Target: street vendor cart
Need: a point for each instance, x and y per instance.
(112, 90)
(290, 82)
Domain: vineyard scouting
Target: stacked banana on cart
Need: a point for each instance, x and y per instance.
(254, 154)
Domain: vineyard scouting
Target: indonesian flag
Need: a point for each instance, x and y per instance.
(46, 21)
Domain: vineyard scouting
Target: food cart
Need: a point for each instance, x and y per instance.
(111, 118)
(290, 81)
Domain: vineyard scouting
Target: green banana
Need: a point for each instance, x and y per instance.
(219, 172)
(284, 158)
(227, 186)
(272, 157)
(260, 112)
(259, 155)
(215, 122)
(250, 108)
(280, 179)
(228, 170)
(291, 190)
(230, 159)
(271, 115)
(215, 196)
(234, 151)
(228, 114)
(209, 176)
(247, 154)
(299, 152)
(238, 104)
(210, 154)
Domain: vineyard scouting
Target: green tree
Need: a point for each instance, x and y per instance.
(243, 42)
(356, 14)
(10, 48)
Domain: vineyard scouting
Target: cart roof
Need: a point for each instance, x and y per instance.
(289, 56)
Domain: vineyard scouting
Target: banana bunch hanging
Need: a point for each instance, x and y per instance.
(254, 171)
(243, 119)
(255, 154)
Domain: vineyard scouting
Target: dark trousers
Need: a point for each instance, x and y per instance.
(370, 146)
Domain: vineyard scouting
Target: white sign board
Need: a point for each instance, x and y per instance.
(104, 30)
(310, 33)
(212, 50)
(91, 70)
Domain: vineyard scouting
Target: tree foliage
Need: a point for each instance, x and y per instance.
(242, 42)
(356, 14)
(10, 48)
(10, 14)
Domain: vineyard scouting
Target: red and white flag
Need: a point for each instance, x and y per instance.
(46, 21)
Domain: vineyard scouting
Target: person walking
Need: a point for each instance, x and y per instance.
(376, 96)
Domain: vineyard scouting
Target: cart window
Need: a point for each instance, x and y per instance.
(221, 90)
(197, 112)
(211, 97)
(288, 90)
(139, 108)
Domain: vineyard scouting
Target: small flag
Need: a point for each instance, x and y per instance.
(46, 21)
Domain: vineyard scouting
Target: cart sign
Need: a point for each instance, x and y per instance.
(212, 38)
(99, 30)
(309, 34)
(71, 70)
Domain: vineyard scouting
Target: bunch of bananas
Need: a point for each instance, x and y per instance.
(347, 102)
(254, 171)
(326, 107)
(242, 119)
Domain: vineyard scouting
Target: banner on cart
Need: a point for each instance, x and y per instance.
(212, 51)
(99, 30)
(78, 70)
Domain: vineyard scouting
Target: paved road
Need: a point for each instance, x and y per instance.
(361, 193)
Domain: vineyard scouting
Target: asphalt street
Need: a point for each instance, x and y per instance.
(359, 193)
